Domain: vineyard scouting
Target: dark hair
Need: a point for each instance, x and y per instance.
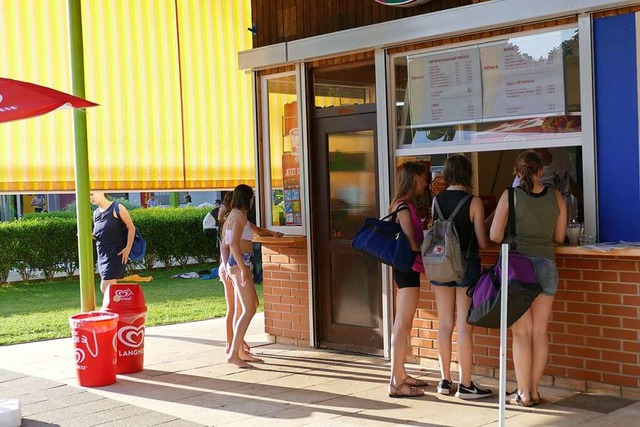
(527, 165)
(187, 198)
(226, 200)
(406, 184)
(457, 170)
(242, 196)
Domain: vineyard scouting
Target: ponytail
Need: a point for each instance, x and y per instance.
(527, 165)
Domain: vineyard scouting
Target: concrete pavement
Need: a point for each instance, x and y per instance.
(186, 382)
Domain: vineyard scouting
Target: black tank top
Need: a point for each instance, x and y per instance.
(107, 229)
(448, 200)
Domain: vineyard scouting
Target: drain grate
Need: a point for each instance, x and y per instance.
(595, 402)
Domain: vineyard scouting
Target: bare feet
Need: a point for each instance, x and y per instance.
(239, 363)
(246, 347)
(248, 357)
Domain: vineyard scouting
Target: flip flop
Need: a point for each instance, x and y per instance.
(396, 392)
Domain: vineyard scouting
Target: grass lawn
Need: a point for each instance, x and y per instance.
(40, 311)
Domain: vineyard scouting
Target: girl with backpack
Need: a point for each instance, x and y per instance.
(451, 297)
(412, 182)
(541, 219)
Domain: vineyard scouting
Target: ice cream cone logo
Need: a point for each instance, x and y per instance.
(131, 336)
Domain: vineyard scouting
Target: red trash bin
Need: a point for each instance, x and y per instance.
(127, 300)
(94, 336)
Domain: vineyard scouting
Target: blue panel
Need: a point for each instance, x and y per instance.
(617, 128)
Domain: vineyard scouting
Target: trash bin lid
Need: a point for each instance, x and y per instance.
(100, 319)
(121, 297)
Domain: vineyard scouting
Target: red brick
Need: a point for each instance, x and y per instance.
(623, 288)
(600, 276)
(631, 370)
(283, 324)
(281, 291)
(631, 300)
(300, 309)
(300, 293)
(618, 265)
(631, 324)
(571, 296)
(584, 330)
(581, 285)
(620, 380)
(282, 275)
(280, 259)
(601, 366)
(300, 326)
(621, 311)
(569, 274)
(557, 349)
(578, 307)
(291, 317)
(604, 343)
(568, 339)
(302, 277)
(619, 356)
(564, 317)
(632, 347)
(274, 315)
(582, 264)
(291, 300)
(556, 371)
(630, 278)
(557, 327)
(566, 361)
(602, 298)
(621, 334)
(605, 321)
(585, 352)
(584, 375)
(271, 298)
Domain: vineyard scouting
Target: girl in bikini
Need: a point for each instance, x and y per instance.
(237, 256)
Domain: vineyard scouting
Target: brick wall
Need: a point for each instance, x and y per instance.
(286, 291)
(594, 333)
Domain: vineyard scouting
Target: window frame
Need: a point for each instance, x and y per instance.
(298, 230)
(584, 139)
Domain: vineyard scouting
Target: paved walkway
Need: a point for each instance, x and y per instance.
(186, 382)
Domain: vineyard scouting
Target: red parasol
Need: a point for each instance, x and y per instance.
(21, 100)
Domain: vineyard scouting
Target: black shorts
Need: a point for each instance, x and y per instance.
(404, 279)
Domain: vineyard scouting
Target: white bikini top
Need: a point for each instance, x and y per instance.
(247, 234)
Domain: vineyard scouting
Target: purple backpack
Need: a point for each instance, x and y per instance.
(486, 293)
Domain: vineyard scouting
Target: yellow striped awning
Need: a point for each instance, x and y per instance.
(175, 113)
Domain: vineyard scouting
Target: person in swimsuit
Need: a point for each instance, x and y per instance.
(236, 253)
(114, 238)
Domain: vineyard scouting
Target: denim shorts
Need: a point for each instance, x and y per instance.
(547, 274)
(470, 278)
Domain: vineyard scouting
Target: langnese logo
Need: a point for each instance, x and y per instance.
(123, 295)
(8, 108)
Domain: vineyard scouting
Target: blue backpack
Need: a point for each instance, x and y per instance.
(139, 248)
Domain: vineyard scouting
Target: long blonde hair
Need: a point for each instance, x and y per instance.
(406, 184)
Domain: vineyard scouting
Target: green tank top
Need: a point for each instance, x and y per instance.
(536, 216)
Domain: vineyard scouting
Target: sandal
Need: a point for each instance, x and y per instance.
(515, 398)
(537, 400)
(396, 392)
(415, 382)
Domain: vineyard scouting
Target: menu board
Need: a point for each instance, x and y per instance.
(517, 84)
(445, 87)
(519, 77)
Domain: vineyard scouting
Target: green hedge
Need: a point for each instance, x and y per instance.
(48, 242)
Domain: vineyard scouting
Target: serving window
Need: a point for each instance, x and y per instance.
(508, 91)
(492, 100)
